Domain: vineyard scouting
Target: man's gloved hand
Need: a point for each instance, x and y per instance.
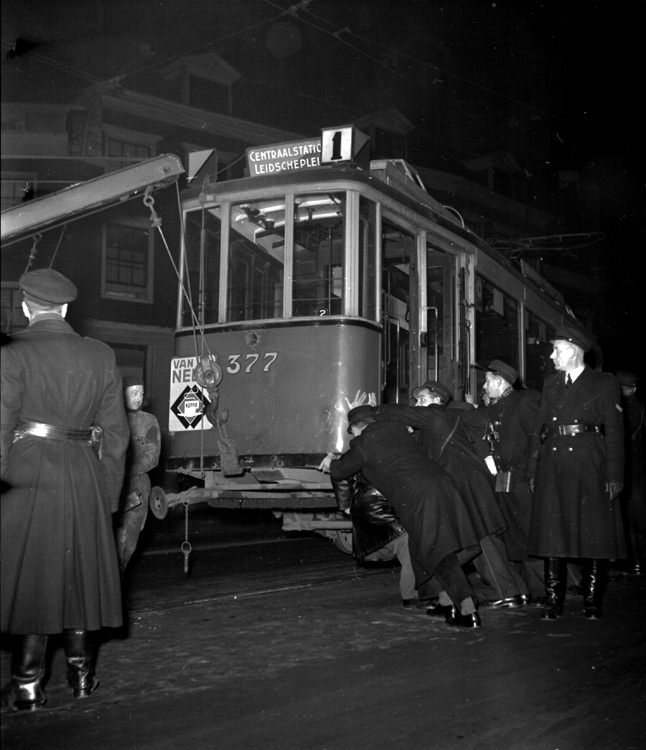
(614, 489)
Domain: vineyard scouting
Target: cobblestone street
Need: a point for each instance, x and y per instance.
(340, 665)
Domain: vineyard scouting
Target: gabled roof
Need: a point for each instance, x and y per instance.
(209, 65)
(391, 120)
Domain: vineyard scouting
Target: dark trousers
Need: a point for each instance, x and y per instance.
(452, 579)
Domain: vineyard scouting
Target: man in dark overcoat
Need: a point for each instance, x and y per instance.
(423, 498)
(578, 454)
(59, 567)
(502, 434)
(445, 439)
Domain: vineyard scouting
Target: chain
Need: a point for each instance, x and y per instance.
(149, 202)
(186, 545)
(34, 249)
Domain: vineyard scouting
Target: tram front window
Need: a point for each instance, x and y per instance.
(256, 260)
(260, 265)
(318, 274)
(200, 296)
(257, 257)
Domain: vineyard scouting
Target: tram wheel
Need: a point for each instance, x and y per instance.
(158, 503)
(342, 540)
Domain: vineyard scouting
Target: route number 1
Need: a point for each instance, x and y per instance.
(336, 144)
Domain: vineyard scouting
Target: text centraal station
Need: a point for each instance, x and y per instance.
(284, 157)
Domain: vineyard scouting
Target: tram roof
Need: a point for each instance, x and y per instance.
(393, 177)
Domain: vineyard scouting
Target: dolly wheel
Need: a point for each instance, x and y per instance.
(158, 503)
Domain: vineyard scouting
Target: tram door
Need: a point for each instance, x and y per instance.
(399, 295)
(440, 331)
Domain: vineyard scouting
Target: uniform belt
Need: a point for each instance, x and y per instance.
(53, 432)
(567, 430)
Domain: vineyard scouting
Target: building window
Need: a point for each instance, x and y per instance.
(13, 318)
(126, 150)
(127, 263)
(128, 146)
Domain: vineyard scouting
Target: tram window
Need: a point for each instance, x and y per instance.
(438, 314)
(398, 250)
(202, 236)
(319, 265)
(256, 260)
(496, 324)
(367, 259)
(537, 351)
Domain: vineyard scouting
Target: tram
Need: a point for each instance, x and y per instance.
(316, 278)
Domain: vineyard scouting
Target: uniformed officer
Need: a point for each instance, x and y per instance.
(445, 440)
(578, 454)
(502, 433)
(58, 560)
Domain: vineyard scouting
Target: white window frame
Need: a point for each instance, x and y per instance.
(147, 295)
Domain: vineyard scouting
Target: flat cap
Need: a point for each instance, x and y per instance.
(627, 379)
(574, 336)
(363, 413)
(498, 367)
(434, 386)
(131, 380)
(47, 286)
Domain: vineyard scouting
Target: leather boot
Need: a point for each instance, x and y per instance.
(24, 692)
(80, 659)
(555, 584)
(594, 576)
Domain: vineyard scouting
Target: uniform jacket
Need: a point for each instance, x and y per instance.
(59, 564)
(505, 430)
(572, 515)
(420, 492)
(513, 419)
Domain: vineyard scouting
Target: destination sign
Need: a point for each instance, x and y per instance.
(284, 157)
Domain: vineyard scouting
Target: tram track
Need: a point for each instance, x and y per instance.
(220, 573)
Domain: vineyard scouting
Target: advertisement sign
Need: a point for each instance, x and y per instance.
(188, 400)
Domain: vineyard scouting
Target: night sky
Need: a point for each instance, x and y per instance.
(571, 71)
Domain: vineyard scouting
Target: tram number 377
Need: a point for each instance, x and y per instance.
(247, 362)
(182, 368)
